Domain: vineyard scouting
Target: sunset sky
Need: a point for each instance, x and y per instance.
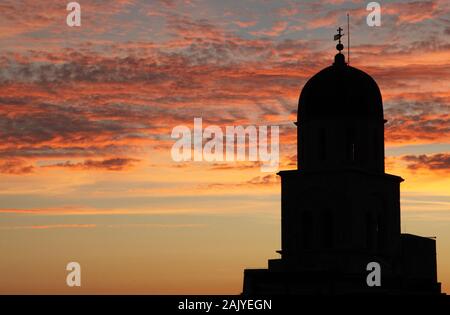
(86, 115)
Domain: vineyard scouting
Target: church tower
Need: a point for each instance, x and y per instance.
(340, 211)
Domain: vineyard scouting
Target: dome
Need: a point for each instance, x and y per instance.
(340, 91)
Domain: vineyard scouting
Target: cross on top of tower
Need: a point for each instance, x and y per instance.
(338, 36)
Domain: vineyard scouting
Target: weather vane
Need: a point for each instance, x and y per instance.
(338, 36)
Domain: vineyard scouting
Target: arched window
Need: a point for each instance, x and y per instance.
(375, 145)
(350, 145)
(306, 229)
(327, 229)
(380, 231)
(322, 144)
(302, 145)
(369, 231)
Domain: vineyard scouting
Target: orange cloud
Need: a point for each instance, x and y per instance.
(113, 164)
(266, 181)
(15, 166)
(46, 227)
(433, 162)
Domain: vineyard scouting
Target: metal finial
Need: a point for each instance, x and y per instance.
(338, 36)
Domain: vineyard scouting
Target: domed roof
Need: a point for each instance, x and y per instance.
(340, 91)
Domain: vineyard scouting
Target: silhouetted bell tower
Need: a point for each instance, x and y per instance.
(340, 120)
(339, 209)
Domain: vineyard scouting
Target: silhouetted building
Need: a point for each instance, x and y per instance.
(340, 210)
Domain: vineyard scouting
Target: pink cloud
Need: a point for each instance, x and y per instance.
(276, 30)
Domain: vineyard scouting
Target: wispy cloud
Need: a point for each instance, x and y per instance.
(113, 164)
(50, 226)
(16, 167)
(436, 162)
